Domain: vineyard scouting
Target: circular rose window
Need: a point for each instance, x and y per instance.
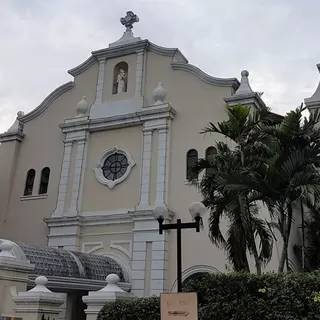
(115, 166)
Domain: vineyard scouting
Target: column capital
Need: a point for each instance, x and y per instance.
(163, 129)
(102, 59)
(147, 131)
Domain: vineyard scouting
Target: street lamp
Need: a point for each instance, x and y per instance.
(197, 210)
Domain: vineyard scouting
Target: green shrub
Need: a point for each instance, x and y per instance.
(132, 309)
(236, 297)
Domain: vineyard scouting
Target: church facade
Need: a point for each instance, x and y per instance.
(85, 169)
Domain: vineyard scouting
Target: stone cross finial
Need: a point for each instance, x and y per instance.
(129, 20)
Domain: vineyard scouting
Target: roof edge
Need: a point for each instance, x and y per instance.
(126, 49)
(83, 66)
(44, 105)
(222, 82)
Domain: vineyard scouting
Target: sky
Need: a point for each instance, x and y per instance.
(277, 41)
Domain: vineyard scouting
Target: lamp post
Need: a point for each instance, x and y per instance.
(197, 210)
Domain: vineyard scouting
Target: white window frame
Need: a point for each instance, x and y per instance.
(97, 168)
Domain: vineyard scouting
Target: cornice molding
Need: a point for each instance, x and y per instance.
(47, 102)
(164, 111)
(169, 52)
(126, 49)
(83, 66)
(221, 82)
(248, 98)
(63, 221)
(11, 136)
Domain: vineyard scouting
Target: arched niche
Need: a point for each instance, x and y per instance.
(120, 78)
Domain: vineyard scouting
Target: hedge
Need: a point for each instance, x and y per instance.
(236, 297)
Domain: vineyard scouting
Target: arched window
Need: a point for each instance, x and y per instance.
(44, 180)
(120, 78)
(210, 152)
(29, 182)
(192, 158)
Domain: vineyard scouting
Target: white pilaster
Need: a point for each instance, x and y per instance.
(159, 265)
(64, 232)
(77, 177)
(99, 90)
(146, 167)
(139, 73)
(63, 179)
(162, 164)
(146, 230)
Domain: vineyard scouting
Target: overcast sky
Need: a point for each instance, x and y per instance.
(277, 41)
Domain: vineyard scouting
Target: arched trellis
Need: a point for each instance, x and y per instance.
(123, 264)
(193, 270)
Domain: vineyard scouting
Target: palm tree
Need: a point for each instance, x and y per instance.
(276, 163)
(225, 203)
(308, 253)
(223, 191)
(292, 173)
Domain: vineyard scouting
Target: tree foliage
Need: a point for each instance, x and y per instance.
(262, 161)
(236, 297)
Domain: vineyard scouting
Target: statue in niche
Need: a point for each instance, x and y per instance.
(121, 81)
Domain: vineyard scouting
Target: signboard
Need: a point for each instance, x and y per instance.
(179, 306)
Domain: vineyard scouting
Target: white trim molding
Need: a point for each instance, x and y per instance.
(146, 167)
(11, 136)
(162, 166)
(116, 244)
(44, 105)
(64, 176)
(139, 72)
(193, 270)
(95, 246)
(78, 172)
(97, 168)
(221, 82)
(127, 49)
(99, 90)
(122, 263)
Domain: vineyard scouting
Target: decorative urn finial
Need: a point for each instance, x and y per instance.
(82, 107)
(129, 20)
(17, 125)
(159, 94)
(244, 87)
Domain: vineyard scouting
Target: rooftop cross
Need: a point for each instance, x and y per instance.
(129, 20)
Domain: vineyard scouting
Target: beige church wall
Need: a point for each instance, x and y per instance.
(99, 197)
(8, 154)
(196, 103)
(109, 76)
(43, 147)
(8, 288)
